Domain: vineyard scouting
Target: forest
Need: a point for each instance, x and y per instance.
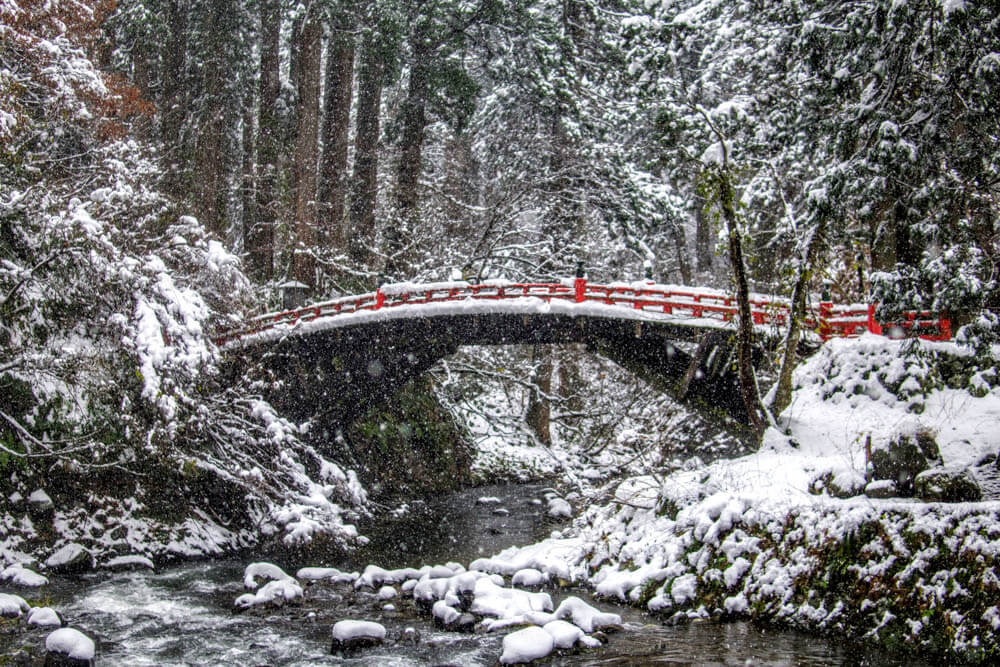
(170, 169)
(168, 165)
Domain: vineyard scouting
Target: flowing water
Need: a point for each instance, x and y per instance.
(184, 614)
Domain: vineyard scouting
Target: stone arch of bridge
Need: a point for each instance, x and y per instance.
(340, 373)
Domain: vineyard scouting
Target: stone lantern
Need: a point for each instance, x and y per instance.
(293, 294)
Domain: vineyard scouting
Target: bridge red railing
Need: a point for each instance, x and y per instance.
(828, 320)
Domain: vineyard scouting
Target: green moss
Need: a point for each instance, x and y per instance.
(410, 445)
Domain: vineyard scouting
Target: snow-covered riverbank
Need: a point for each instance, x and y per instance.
(763, 536)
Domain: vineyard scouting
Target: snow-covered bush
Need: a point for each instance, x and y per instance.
(980, 334)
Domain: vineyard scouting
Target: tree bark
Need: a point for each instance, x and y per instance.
(783, 388)
(538, 415)
(680, 247)
(364, 183)
(744, 335)
(171, 103)
(336, 119)
(703, 238)
(210, 185)
(307, 152)
(259, 228)
(408, 170)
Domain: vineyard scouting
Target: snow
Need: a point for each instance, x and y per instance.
(65, 555)
(44, 617)
(525, 645)
(19, 575)
(40, 497)
(131, 561)
(261, 570)
(12, 606)
(276, 592)
(529, 577)
(352, 629)
(72, 643)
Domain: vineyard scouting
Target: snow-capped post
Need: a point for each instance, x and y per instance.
(579, 283)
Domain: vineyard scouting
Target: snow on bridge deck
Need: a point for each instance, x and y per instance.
(643, 301)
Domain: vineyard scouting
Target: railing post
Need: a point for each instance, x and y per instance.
(825, 313)
(944, 326)
(379, 298)
(579, 288)
(873, 326)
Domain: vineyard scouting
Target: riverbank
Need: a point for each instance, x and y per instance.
(763, 537)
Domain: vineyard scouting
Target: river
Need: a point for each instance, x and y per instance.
(184, 615)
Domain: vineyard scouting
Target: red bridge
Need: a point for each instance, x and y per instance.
(331, 362)
(631, 301)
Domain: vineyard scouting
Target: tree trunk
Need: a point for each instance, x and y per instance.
(210, 185)
(259, 228)
(171, 103)
(364, 184)
(538, 414)
(307, 152)
(797, 310)
(744, 335)
(248, 208)
(703, 238)
(680, 246)
(410, 164)
(336, 119)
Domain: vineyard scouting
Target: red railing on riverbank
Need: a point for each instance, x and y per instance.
(828, 320)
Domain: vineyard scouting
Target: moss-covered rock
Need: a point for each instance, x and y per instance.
(409, 446)
(904, 457)
(950, 485)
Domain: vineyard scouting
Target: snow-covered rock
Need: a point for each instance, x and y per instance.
(275, 593)
(19, 575)
(328, 574)
(529, 577)
(39, 503)
(350, 636)
(586, 617)
(951, 485)
(499, 602)
(72, 557)
(387, 593)
(559, 508)
(69, 646)
(566, 635)
(526, 645)
(881, 488)
(44, 617)
(12, 606)
(130, 562)
(265, 571)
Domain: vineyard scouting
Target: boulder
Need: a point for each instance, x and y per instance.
(69, 559)
(904, 457)
(40, 505)
(351, 637)
(68, 647)
(949, 485)
(843, 483)
(882, 488)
